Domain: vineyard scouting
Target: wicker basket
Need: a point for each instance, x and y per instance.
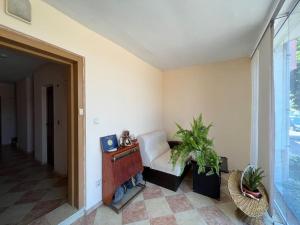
(248, 206)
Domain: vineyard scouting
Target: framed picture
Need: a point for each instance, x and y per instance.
(109, 143)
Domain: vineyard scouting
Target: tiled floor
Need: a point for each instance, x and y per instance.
(27, 189)
(159, 206)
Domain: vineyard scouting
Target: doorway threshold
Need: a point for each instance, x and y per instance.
(63, 215)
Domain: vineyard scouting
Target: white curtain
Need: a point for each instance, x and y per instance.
(255, 101)
(261, 137)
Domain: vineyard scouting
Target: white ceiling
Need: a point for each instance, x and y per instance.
(174, 33)
(17, 65)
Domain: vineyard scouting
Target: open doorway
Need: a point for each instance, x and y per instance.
(59, 142)
(34, 158)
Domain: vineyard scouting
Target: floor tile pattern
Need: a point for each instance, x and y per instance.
(28, 190)
(160, 206)
(134, 212)
(179, 203)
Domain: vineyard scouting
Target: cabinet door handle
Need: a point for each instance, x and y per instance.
(124, 154)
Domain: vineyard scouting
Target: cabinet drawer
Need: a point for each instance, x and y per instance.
(126, 165)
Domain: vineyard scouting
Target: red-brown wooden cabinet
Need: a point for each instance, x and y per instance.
(118, 167)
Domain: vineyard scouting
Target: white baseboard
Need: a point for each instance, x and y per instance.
(73, 218)
(66, 215)
(91, 209)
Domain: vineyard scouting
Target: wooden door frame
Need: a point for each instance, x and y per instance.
(76, 103)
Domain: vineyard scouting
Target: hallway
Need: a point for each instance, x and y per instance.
(28, 190)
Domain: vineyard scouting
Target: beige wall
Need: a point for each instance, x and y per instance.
(122, 91)
(222, 92)
(8, 112)
(24, 104)
(54, 75)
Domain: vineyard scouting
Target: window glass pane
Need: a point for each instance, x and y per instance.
(287, 117)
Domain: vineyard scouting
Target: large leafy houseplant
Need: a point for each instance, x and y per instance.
(196, 144)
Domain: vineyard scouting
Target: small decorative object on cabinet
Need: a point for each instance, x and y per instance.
(117, 168)
(125, 139)
(109, 143)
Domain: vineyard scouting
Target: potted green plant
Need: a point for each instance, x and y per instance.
(251, 180)
(196, 144)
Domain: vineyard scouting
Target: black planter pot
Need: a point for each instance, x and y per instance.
(206, 185)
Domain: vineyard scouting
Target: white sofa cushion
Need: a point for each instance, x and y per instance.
(153, 145)
(163, 164)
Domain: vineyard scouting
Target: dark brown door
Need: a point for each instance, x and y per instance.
(50, 127)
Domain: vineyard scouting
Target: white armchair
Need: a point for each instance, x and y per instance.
(155, 153)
